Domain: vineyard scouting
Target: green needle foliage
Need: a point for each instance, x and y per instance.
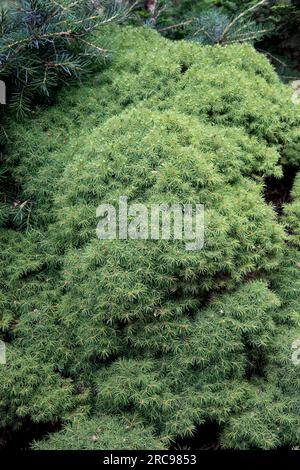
(101, 433)
(141, 334)
(45, 43)
(214, 27)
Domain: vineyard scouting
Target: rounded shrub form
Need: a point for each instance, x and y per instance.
(146, 332)
(155, 157)
(229, 86)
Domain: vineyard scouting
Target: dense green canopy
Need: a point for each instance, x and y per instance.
(103, 333)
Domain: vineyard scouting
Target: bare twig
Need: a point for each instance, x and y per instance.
(178, 25)
(246, 38)
(252, 33)
(59, 5)
(43, 36)
(272, 57)
(206, 33)
(90, 44)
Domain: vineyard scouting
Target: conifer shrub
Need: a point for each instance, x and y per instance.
(45, 44)
(32, 389)
(141, 341)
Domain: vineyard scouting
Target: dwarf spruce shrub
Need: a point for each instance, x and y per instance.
(141, 341)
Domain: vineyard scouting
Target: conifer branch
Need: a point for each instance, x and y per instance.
(241, 15)
(174, 26)
(35, 57)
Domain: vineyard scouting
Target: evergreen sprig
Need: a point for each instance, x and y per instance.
(215, 27)
(45, 43)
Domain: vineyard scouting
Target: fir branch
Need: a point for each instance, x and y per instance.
(39, 34)
(241, 15)
(174, 26)
(94, 46)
